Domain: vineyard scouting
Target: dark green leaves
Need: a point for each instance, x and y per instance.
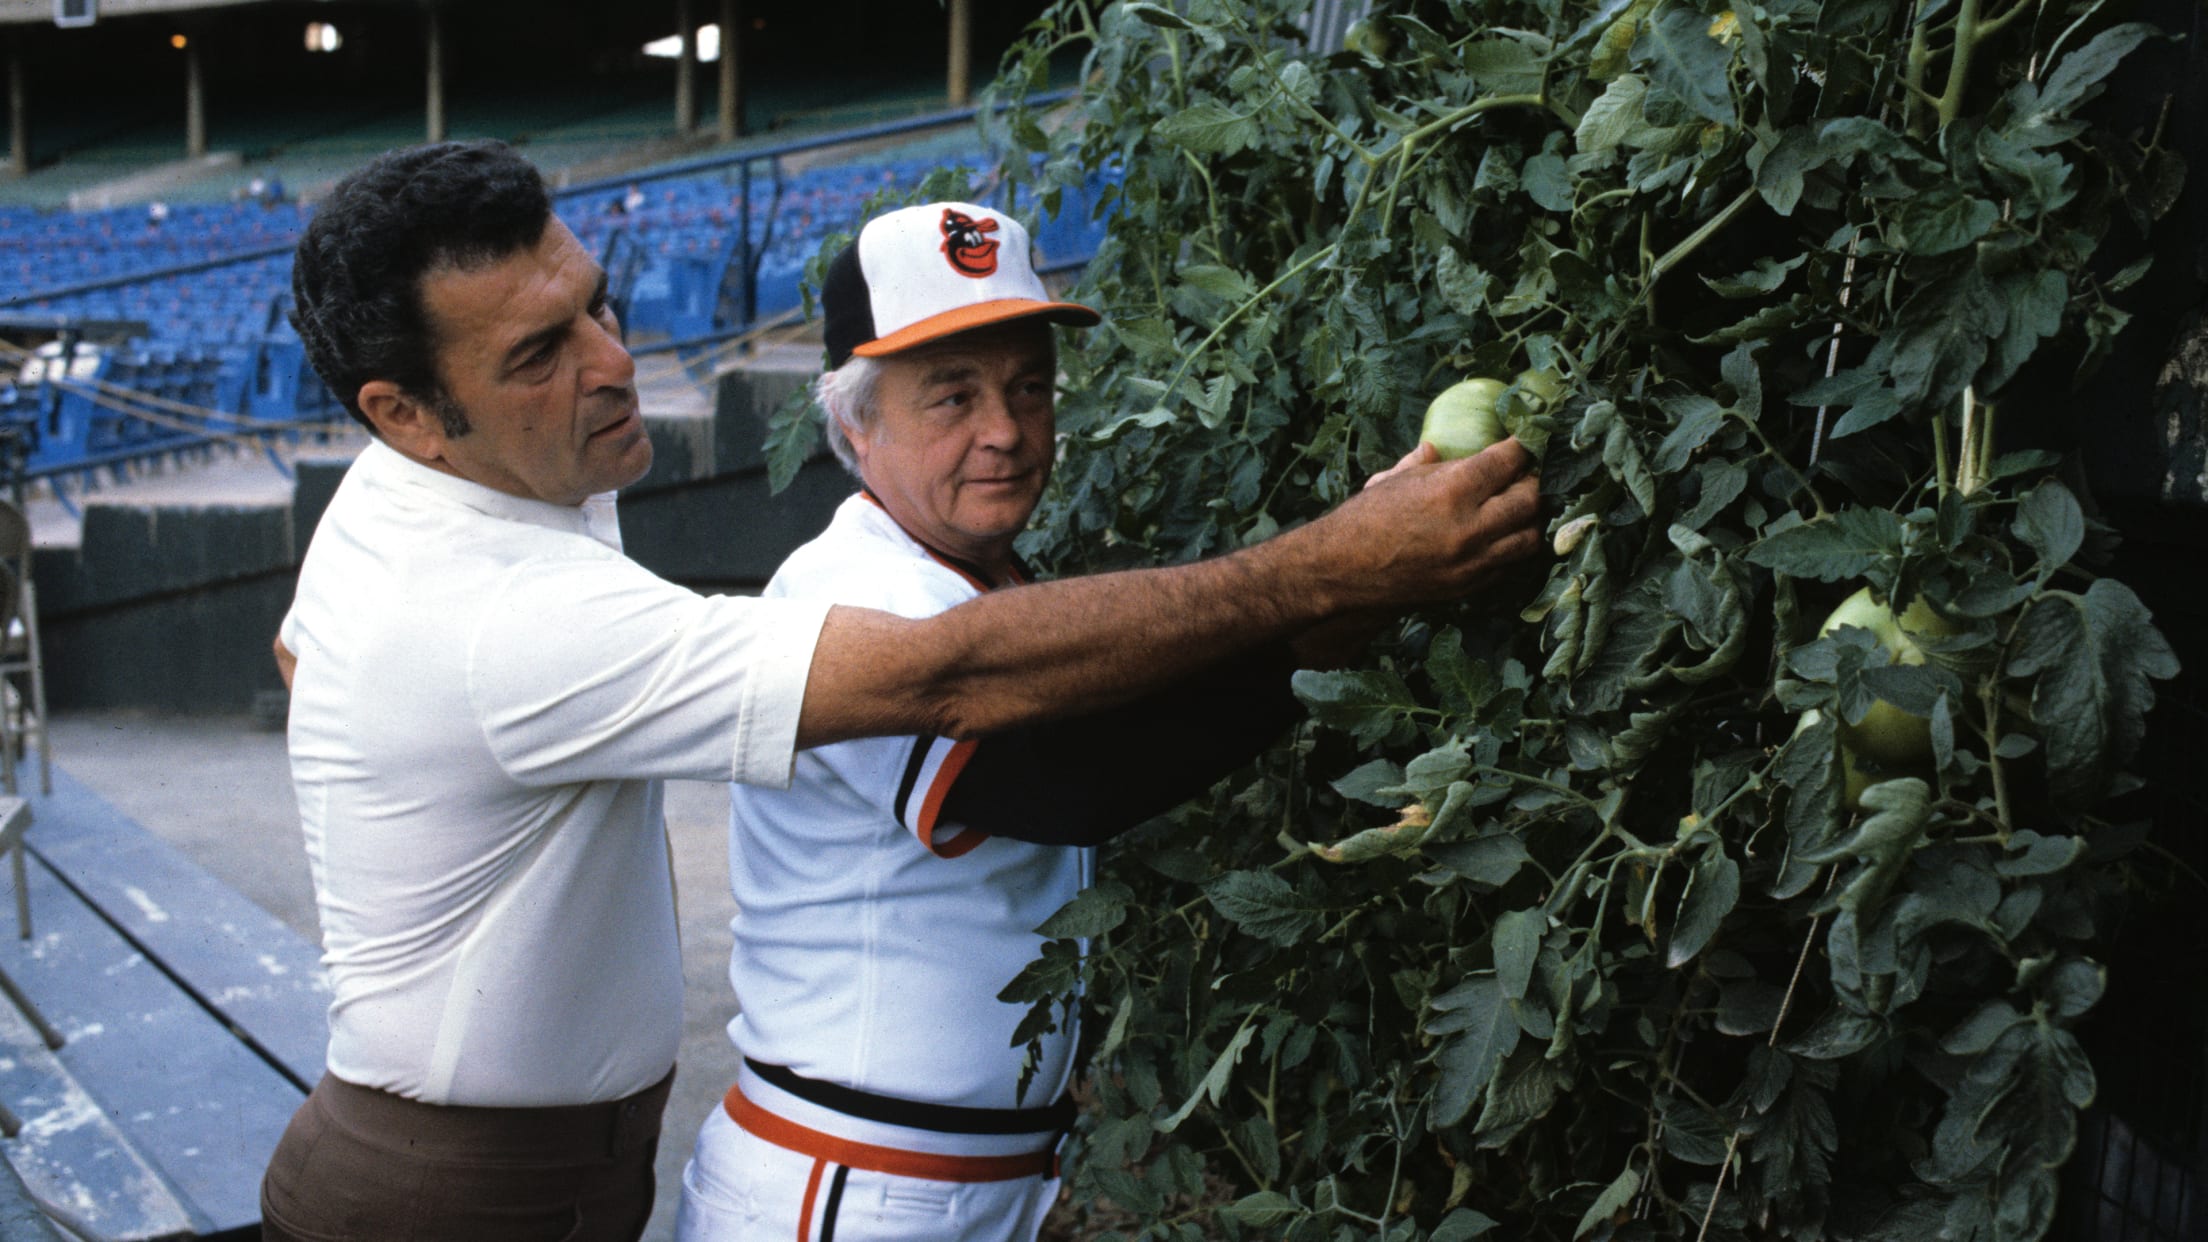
(1839, 548)
(1710, 896)
(1210, 129)
(1365, 703)
(1943, 219)
(1264, 905)
(2092, 659)
(1643, 812)
(2050, 521)
(2078, 77)
(1679, 54)
(1092, 912)
(1478, 1014)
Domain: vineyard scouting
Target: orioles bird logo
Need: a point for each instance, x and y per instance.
(964, 244)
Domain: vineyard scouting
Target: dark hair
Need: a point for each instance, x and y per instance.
(356, 279)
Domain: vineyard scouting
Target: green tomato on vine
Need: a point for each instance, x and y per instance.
(1887, 734)
(1471, 414)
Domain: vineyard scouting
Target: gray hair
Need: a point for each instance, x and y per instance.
(846, 400)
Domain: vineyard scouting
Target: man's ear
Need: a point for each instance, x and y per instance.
(404, 422)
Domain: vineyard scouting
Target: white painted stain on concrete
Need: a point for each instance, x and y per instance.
(129, 963)
(73, 1112)
(146, 904)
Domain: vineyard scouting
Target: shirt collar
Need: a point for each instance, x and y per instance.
(981, 578)
(595, 518)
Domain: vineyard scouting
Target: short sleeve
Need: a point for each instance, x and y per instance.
(907, 777)
(932, 767)
(592, 668)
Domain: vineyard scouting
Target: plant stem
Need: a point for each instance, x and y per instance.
(1467, 112)
(1939, 451)
(1967, 32)
(1966, 453)
(1694, 241)
(1912, 108)
(1990, 699)
(1180, 372)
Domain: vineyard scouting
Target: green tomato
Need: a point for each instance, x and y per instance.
(1887, 734)
(1463, 420)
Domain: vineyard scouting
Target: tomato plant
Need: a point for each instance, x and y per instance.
(1566, 915)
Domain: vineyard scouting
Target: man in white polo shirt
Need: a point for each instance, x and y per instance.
(486, 694)
(890, 891)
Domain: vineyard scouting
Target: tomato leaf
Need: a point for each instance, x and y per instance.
(2092, 659)
(1486, 1031)
(1711, 893)
(2050, 520)
(1686, 61)
(1610, 1202)
(1838, 548)
(1264, 905)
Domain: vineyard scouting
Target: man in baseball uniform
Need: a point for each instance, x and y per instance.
(892, 890)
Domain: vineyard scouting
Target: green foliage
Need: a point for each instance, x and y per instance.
(1592, 944)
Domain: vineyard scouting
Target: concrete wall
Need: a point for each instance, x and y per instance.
(172, 608)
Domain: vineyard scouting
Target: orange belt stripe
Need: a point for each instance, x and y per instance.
(896, 1162)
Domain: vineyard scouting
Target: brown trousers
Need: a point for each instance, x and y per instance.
(359, 1165)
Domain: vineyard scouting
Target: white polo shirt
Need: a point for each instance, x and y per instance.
(487, 696)
(871, 938)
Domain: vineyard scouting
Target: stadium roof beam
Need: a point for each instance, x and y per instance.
(19, 116)
(961, 88)
(686, 69)
(731, 117)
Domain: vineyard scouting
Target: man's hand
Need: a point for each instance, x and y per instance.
(1425, 531)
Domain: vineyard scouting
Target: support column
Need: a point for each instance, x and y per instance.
(686, 70)
(436, 101)
(19, 115)
(962, 53)
(195, 100)
(731, 76)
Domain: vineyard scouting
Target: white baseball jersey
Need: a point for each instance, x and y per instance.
(872, 938)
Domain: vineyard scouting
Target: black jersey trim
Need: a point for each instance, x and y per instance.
(914, 1114)
(835, 1202)
(921, 745)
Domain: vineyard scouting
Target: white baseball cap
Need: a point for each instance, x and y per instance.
(919, 274)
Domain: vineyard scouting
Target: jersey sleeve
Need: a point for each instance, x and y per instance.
(593, 668)
(907, 777)
(1085, 779)
(931, 770)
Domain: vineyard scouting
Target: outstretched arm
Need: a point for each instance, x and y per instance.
(1428, 533)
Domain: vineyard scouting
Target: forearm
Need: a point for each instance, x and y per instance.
(1430, 533)
(1034, 652)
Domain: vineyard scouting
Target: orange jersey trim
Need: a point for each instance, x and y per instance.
(932, 806)
(812, 1191)
(896, 1162)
